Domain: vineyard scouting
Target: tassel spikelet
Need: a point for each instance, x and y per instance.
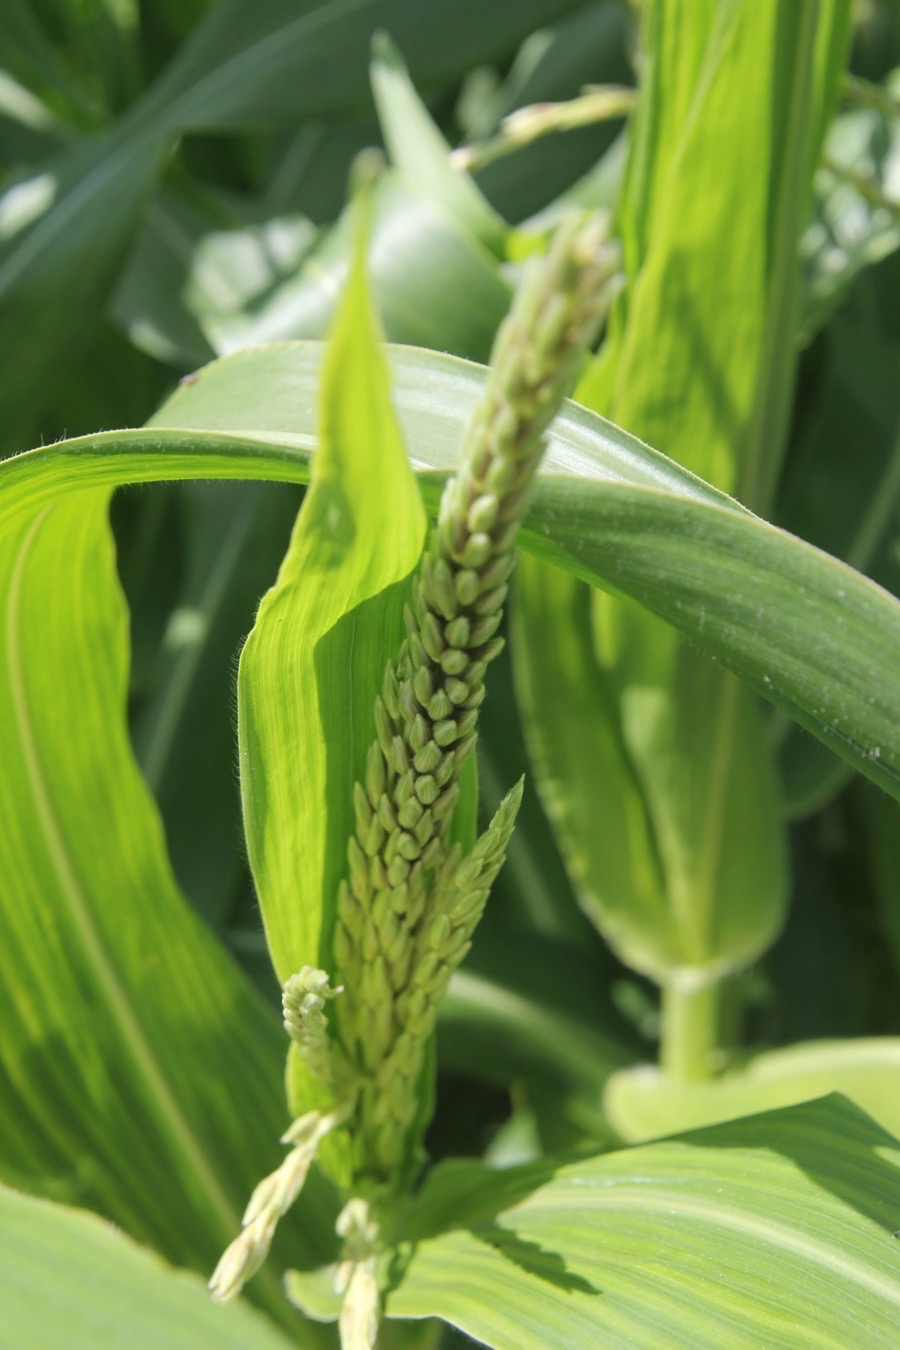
(303, 1000)
(409, 905)
(271, 1200)
(410, 901)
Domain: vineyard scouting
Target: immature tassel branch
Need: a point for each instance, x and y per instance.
(303, 999)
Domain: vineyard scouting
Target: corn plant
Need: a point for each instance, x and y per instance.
(528, 1008)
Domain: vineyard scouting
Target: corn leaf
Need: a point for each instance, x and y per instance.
(772, 1231)
(316, 656)
(624, 833)
(808, 632)
(315, 660)
(113, 995)
(70, 1279)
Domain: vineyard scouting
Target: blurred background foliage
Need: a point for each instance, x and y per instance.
(174, 181)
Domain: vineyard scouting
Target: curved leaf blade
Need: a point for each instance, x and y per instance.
(772, 1231)
(808, 632)
(632, 873)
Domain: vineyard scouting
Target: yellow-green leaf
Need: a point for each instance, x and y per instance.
(140, 1071)
(772, 1231)
(315, 660)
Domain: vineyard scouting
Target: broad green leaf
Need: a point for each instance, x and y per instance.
(140, 1073)
(70, 1279)
(809, 56)
(773, 1231)
(642, 1103)
(315, 660)
(808, 632)
(698, 239)
(589, 787)
(420, 152)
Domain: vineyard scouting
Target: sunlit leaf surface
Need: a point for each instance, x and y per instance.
(773, 1231)
(131, 1042)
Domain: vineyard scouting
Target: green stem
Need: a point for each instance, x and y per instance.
(690, 1025)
